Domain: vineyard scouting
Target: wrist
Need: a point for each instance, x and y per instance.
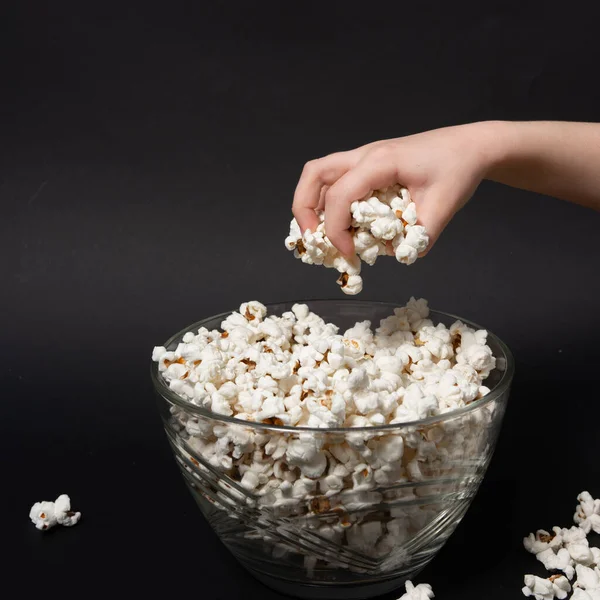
(497, 144)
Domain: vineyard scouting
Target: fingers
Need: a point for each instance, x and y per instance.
(435, 211)
(321, 205)
(316, 174)
(375, 171)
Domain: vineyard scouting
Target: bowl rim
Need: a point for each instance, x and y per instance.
(496, 392)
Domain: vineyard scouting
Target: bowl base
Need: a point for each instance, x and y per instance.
(350, 591)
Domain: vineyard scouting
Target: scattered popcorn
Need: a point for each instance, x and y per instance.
(556, 586)
(579, 594)
(299, 371)
(587, 515)
(386, 216)
(567, 550)
(587, 578)
(559, 561)
(46, 515)
(422, 591)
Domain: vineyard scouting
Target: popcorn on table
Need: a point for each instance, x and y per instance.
(386, 216)
(422, 591)
(46, 515)
(556, 586)
(297, 370)
(567, 550)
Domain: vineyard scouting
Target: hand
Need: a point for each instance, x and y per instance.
(441, 169)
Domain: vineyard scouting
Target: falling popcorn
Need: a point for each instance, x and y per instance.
(46, 515)
(388, 216)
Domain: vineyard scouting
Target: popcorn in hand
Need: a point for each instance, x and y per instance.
(46, 515)
(556, 586)
(422, 591)
(386, 216)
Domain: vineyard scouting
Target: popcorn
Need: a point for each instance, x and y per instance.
(388, 216)
(567, 550)
(587, 515)
(297, 370)
(46, 515)
(405, 253)
(556, 586)
(422, 591)
(580, 553)
(543, 540)
(350, 284)
(587, 578)
(579, 594)
(559, 561)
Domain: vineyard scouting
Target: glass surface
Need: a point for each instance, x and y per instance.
(372, 535)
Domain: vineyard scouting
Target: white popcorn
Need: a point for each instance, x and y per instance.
(298, 370)
(416, 237)
(573, 535)
(423, 591)
(386, 228)
(410, 213)
(579, 594)
(540, 541)
(350, 284)
(46, 515)
(587, 578)
(253, 311)
(580, 551)
(364, 537)
(43, 516)
(405, 253)
(367, 247)
(158, 352)
(587, 515)
(546, 589)
(557, 561)
(415, 405)
(567, 550)
(387, 216)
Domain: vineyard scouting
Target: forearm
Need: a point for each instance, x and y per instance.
(558, 159)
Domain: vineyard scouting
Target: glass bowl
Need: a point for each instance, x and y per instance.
(358, 542)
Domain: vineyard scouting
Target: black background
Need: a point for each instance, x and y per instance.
(148, 157)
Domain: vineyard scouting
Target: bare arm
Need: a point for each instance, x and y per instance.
(442, 169)
(554, 158)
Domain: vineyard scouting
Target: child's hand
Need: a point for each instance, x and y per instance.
(441, 169)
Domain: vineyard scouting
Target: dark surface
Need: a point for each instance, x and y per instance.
(147, 165)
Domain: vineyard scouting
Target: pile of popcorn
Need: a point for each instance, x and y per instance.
(387, 217)
(46, 515)
(297, 370)
(567, 551)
